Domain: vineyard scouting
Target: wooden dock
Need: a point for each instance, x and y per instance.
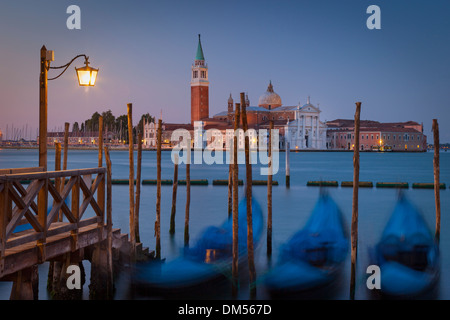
(53, 230)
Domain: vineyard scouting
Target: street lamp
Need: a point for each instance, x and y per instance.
(86, 77)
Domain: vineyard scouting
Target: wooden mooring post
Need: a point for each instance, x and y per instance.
(66, 144)
(138, 188)
(230, 179)
(100, 141)
(101, 187)
(25, 284)
(288, 165)
(66, 154)
(248, 194)
(57, 165)
(110, 276)
(54, 267)
(436, 170)
(174, 196)
(188, 194)
(131, 174)
(354, 225)
(235, 262)
(102, 285)
(158, 190)
(269, 193)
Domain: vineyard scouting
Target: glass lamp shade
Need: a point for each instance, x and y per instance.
(86, 76)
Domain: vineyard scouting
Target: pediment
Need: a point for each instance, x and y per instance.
(309, 108)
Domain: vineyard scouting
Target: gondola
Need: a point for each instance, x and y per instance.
(312, 258)
(407, 254)
(205, 264)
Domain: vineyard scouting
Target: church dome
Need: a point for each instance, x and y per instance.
(269, 98)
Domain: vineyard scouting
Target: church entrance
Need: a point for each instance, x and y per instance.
(307, 141)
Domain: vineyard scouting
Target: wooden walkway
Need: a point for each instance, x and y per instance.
(29, 254)
(44, 215)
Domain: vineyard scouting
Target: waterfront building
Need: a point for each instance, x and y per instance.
(374, 135)
(79, 138)
(269, 107)
(149, 135)
(306, 131)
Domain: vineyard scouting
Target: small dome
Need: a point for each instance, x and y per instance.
(269, 98)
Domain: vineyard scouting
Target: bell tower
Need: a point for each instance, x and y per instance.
(230, 109)
(199, 87)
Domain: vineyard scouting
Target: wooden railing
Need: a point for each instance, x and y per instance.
(21, 205)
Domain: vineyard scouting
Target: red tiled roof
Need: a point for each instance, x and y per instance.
(79, 134)
(379, 129)
(370, 125)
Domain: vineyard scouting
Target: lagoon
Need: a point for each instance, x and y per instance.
(291, 206)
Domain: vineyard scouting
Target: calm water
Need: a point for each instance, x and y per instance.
(291, 207)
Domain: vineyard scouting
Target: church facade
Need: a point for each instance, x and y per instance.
(149, 136)
(306, 131)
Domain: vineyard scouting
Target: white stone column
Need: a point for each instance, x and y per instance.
(297, 116)
(303, 132)
(317, 132)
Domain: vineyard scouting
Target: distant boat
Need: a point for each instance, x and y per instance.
(407, 253)
(206, 263)
(313, 257)
(383, 148)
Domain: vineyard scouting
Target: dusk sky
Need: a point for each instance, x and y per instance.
(145, 49)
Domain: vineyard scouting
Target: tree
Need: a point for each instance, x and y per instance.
(75, 127)
(109, 120)
(118, 125)
(92, 123)
(122, 127)
(145, 117)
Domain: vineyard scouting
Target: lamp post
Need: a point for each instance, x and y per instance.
(86, 77)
